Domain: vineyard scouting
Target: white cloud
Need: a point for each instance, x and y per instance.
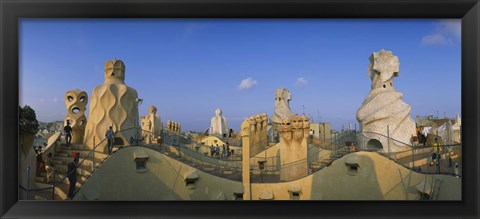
(247, 84)
(55, 100)
(453, 27)
(434, 39)
(301, 81)
(446, 32)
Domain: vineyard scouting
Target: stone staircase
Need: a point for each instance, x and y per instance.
(61, 159)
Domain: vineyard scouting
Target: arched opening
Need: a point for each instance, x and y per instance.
(374, 144)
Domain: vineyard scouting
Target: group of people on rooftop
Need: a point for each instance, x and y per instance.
(438, 150)
(73, 166)
(226, 152)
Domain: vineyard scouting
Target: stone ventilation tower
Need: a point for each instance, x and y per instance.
(174, 127)
(76, 102)
(383, 112)
(293, 147)
(218, 123)
(151, 125)
(245, 133)
(258, 133)
(282, 110)
(113, 103)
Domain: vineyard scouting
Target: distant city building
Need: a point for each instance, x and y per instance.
(321, 130)
(441, 127)
(151, 125)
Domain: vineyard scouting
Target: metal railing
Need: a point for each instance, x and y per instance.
(447, 162)
(175, 139)
(57, 183)
(446, 158)
(271, 165)
(222, 168)
(191, 153)
(184, 150)
(181, 148)
(258, 147)
(335, 143)
(273, 169)
(207, 151)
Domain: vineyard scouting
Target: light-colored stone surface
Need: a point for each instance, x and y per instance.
(76, 102)
(293, 147)
(258, 133)
(274, 151)
(113, 104)
(53, 145)
(164, 179)
(218, 123)
(261, 121)
(212, 140)
(384, 105)
(282, 107)
(457, 130)
(151, 125)
(245, 131)
(174, 127)
(27, 159)
(321, 130)
(263, 130)
(378, 178)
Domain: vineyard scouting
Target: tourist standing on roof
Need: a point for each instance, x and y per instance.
(68, 133)
(72, 175)
(110, 139)
(49, 167)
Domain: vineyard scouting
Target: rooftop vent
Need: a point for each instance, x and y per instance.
(141, 158)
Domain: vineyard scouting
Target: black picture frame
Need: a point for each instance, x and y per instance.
(11, 11)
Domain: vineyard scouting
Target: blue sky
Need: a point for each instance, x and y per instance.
(189, 67)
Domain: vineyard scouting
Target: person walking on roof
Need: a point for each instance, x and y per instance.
(110, 139)
(68, 133)
(72, 175)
